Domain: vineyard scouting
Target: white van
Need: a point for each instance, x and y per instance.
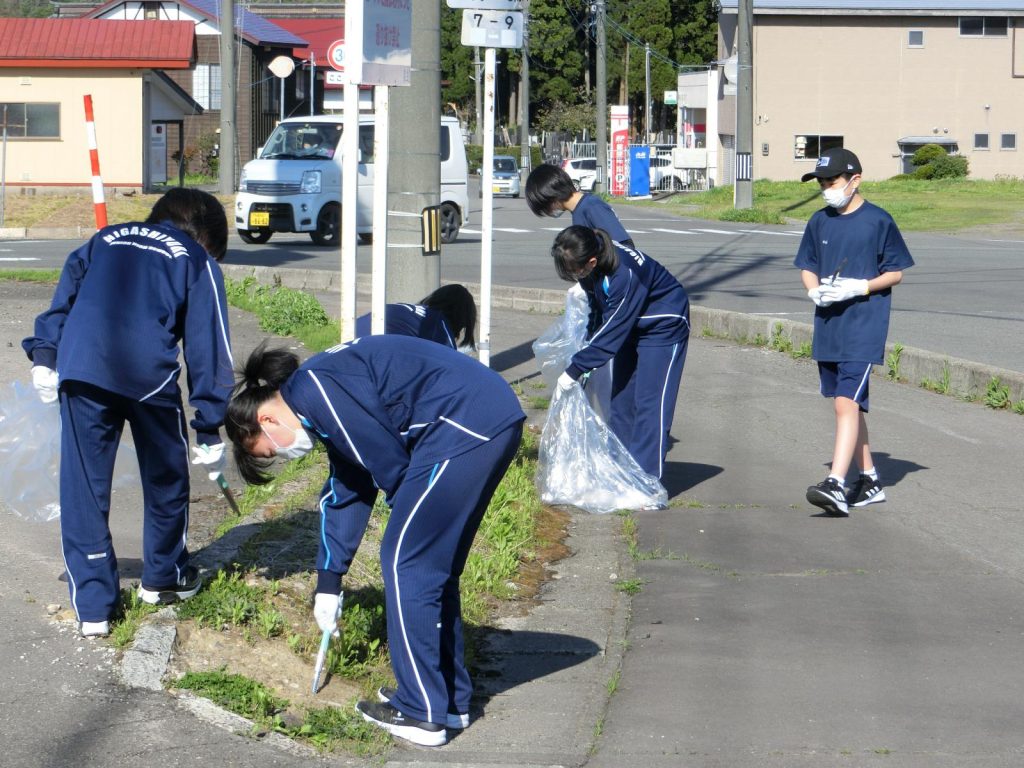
(295, 183)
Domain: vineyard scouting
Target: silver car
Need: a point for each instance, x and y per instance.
(505, 180)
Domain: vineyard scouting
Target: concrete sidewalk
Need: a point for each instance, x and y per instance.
(763, 634)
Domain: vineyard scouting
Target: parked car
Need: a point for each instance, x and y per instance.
(506, 179)
(665, 177)
(295, 183)
(582, 171)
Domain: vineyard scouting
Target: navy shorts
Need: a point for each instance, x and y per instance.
(846, 379)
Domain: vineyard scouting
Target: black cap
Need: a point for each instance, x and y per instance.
(832, 163)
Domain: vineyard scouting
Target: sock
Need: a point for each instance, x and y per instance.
(870, 473)
(840, 480)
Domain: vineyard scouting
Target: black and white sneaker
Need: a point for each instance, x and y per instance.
(397, 724)
(186, 587)
(830, 496)
(865, 491)
(455, 721)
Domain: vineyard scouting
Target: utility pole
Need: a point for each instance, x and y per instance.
(226, 152)
(524, 93)
(601, 101)
(744, 187)
(414, 172)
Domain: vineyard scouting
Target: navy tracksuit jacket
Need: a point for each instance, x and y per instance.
(411, 320)
(640, 318)
(125, 301)
(435, 431)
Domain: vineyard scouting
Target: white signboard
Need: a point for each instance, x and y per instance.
(378, 35)
(334, 78)
(487, 5)
(492, 29)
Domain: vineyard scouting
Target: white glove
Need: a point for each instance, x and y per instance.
(45, 381)
(326, 610)
(565, 382)
(815, 295)
(211, 457)
(844, 289)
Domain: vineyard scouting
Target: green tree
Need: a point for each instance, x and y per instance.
(695, 31)
(457, 86)
(26, 9)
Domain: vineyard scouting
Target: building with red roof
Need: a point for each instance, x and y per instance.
(48, 66)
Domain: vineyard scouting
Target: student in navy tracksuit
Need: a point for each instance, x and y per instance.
(435, 431)
(550, 192)
(447, 316)
(108, 348)
(640, 319)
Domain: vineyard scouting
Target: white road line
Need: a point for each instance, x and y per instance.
(768, 232)
(15, 258)
(513, 230)
(674, 231)
(717, 231)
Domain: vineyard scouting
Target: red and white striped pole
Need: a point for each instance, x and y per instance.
(98, 203)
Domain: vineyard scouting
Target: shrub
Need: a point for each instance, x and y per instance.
(924, 172)
(949, 167)
(929, 153)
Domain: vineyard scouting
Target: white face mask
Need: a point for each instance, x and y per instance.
(300, 446)
(838, 198)
(556, 214)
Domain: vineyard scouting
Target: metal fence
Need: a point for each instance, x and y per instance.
(664, 176)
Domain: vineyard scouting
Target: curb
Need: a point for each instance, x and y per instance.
(966, 377)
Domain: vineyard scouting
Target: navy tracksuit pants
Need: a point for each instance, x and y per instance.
(645, 384)
(435, 515)
(92, 420)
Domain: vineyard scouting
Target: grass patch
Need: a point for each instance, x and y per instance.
(236, 693)
(75, 209)
(630, 586)
(285, 312)
(942, 386)
(892, 362)
(44, 276)
(997, 394)
(941, 205)
(228, 600)
(131, 613)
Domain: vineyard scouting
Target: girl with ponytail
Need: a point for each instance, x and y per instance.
(435, 431)
(639, 318)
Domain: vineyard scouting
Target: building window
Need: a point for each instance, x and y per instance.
(809, 147)
(31, 121)
(150, 10)
(206, 85)
(915, 38)
(981, 141)
(1008, 141)
(983, 26)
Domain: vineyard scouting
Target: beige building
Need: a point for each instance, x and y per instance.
(49, 66)
(879, 77)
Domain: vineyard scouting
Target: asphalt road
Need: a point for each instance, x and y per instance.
(962, 298)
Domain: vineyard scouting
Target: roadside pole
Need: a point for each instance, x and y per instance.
(378, 52)
(489, 24)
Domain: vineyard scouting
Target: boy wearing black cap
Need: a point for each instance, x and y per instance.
(851, 256)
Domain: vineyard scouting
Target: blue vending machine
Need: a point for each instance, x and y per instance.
(639, 171)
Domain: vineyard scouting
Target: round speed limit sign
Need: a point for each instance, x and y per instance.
(336, 55)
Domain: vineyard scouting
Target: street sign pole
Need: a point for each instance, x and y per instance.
(487, 214)
(489, 24)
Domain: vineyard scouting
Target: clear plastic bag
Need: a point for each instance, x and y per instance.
(561, 340)
(30, 455)
(584, 464)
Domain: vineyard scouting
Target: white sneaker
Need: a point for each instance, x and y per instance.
(94, 628)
